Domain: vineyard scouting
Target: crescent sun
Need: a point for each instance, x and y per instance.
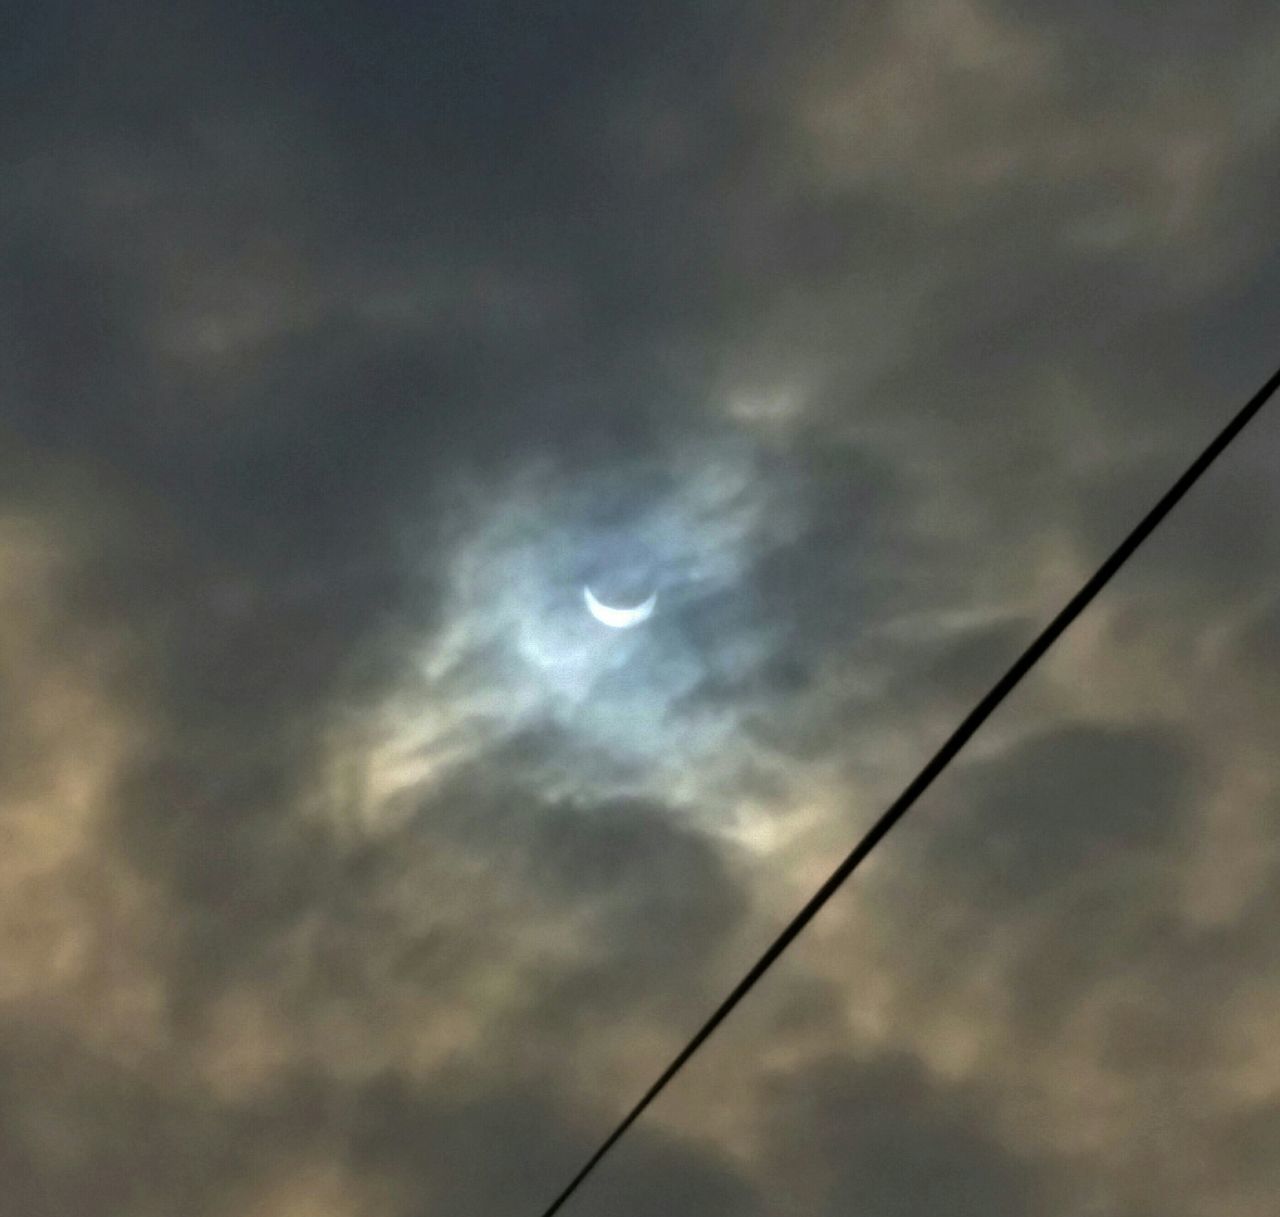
(619, 618)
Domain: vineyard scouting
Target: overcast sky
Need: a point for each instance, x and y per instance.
(348, 868)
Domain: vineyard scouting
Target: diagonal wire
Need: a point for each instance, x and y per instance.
(935, 765)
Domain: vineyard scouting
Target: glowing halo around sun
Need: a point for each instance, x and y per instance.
(619, 618)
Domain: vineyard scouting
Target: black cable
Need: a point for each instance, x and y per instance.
(936, 764)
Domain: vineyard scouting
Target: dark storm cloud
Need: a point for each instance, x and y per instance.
(537, 1142)
(1077, 918)
(79, 1135)
(882, 1138)
(1247, 1146)
(1039, 319)
(87, 1136)
(254, 889)
(293, 302)
(1064, 803)
(274, 485)
(655, 904)
(262, 493)
(1169, 1028)
(1052, 864)
(1259, 644)
(340, 429)
(967, 663)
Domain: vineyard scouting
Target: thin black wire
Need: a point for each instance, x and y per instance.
(936, 764)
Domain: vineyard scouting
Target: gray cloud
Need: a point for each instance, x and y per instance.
(1066, 803)
(880, 1137)
(349, 868)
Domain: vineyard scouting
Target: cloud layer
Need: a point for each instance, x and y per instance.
(349, 868)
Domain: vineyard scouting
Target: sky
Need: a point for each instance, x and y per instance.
(349, 868)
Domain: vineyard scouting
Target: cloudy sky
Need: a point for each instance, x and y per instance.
(348, 868)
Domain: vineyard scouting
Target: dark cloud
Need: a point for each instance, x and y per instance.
(650, 897)
(882, 1138)
(338, 344)
(87, 1136)
(84, 1135)
(1248, 1146)
(1258, 645)
(1052, 862)
(496, 1148)
(1078, 798)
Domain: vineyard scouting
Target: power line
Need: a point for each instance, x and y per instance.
(935, 765)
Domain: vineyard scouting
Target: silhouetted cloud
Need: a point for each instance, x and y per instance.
(349, 867)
